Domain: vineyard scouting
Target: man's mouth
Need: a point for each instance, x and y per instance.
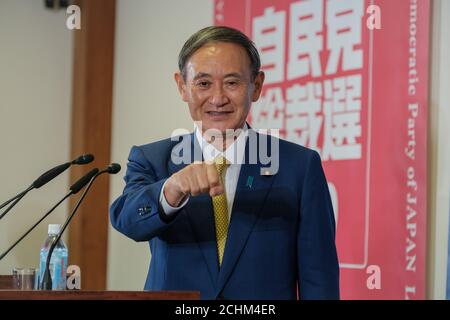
(218, 113)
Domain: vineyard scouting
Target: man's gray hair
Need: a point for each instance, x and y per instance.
(219, 34)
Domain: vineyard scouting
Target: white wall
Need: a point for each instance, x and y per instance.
(146, 105)
(35, 94)
(439, 152)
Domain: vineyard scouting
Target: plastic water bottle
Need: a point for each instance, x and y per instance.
(58, 263)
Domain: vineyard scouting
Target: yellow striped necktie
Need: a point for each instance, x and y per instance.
(221, 209)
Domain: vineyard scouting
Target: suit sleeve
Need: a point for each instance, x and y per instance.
(318, 267)
(137, 212)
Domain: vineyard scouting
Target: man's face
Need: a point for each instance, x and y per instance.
(218, 86)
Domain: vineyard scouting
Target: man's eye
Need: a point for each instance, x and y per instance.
(232, 83)
(203, 84)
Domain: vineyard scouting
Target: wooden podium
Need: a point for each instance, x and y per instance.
(6, 293)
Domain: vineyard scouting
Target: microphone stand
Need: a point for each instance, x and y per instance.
(34, 226)
(17, 198)
(75, 188)
(46, 283)
(45, 178)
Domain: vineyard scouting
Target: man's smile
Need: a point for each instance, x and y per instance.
(218, 114)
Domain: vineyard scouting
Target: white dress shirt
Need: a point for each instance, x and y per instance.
(234, 155)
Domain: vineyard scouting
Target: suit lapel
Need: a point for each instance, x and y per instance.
(199, 209)
(251, 192)
(201, 217)
(179, 158)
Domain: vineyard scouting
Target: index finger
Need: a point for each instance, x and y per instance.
(213, 175)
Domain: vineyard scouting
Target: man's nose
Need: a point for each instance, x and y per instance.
(218, 96)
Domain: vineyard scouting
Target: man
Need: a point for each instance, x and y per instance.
(224, 223)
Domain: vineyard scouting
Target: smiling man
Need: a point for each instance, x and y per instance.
(221, 223)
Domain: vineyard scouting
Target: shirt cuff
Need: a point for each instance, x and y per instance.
(166, 207)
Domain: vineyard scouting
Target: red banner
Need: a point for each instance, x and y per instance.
(349, 78)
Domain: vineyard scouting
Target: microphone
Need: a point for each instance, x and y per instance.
(84, 159)
(77, 186)
(113, 168)
(50, 175)
(46, 283)
(45, 178)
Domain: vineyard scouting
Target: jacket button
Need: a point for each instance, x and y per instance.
(144, 211)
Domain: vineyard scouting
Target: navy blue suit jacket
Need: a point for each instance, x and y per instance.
(281, 235)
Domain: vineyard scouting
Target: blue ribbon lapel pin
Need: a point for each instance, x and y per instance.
(249, 182)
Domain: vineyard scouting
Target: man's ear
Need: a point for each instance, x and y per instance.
(258, 84)
(181, 86)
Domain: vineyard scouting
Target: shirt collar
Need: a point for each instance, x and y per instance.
(234, 153)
